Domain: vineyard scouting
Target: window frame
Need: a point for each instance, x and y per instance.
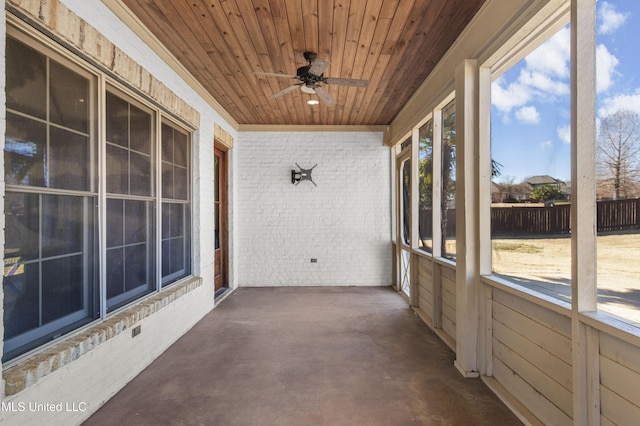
(36, 337)
(489, 70)
(188, 203)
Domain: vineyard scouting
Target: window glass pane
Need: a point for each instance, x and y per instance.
(140, 130)
(117, 120)
(26, 79)
(166, 258)
(21, 285)
(129, 127)
(170, 215)
(181, 183)
(136, 218)
(181, 145)
(167, 180)
(425, 182)
(24, 151)
(618, 159)
(216, 219)
(530, 149)
(129, 265)
(177, 254)
(175, 245)
(117, 170)
(115, 222)
(140, 174)
(49, 265)
(62, 222)
(69, 98)
(216, 177)
(167, 143)
(62, 287)
(178, 222)
(69, 160)
(137, 266)
(115, 272)
(22, 227)
(448, 203)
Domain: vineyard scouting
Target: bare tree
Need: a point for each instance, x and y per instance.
(618, 156)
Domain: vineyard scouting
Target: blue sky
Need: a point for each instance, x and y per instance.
(531, 103)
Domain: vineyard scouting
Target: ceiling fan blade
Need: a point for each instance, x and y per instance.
(318, 66)
(325, 96)
(285, 91)
(273, 74)
(347, 82)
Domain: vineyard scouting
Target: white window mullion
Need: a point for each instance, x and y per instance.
(156, 150)
(102, 192)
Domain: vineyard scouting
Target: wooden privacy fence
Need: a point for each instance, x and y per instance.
(611, 215)
(531, 220)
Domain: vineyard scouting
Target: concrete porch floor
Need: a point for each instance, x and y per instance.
(306, 356)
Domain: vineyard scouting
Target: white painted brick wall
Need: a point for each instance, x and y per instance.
(344, 222)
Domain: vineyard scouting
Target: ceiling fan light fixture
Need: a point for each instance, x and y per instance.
(307, 89)
(313, 102)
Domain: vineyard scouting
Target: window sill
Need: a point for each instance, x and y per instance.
(27, 372)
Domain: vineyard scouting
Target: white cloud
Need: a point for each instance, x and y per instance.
(564, 133)
(546, 145)
(543, 83)
(552, 57)
(609, 19)
(544, 75)
(614, 103)
(528, 114)
(605, 68)
(512, 96)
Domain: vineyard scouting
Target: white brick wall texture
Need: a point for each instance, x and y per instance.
(344, 222)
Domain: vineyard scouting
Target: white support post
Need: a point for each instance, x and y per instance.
(467, 210)
(586, 401)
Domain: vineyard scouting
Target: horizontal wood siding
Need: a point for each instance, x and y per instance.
(448, 279)
(619, 376)
(532, 356)
(425, 282)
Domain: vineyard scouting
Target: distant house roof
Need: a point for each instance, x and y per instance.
(542, 180)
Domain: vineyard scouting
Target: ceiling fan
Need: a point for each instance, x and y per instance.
(310, 77)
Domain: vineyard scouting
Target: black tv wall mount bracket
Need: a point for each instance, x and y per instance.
(302, 174)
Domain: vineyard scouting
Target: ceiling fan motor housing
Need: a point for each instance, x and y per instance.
(310, 56)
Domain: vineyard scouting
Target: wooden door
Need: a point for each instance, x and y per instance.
(221, 219)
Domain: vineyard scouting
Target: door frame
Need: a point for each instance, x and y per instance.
(222, 183)
(403, 247)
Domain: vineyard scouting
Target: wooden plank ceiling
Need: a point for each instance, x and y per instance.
(391, 43)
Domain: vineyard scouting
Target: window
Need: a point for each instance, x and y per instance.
(130, 202)
(448, 201)
(618, 159)
(52, 156)
(425, 189)
(176, 212)
(530, 150)
(50, 255)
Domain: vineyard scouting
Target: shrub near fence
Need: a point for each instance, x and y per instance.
(521, 219)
